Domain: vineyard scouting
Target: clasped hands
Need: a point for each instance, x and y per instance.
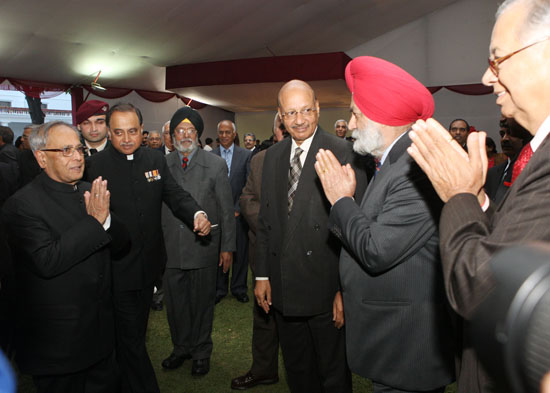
(97, 200)
(449, 167)
(338, 180)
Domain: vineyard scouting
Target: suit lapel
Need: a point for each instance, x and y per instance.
(282, 166)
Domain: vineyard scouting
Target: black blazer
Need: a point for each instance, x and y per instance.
(63, 266)
(240, 168)
(297, 252)
(138, 187)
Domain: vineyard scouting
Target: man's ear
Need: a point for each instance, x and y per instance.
(40, 158)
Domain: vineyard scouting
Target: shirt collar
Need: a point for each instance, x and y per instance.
(231, 148)
(542, 132)
(189, 157)
(98, 148)
(306, 144)
(388, 149)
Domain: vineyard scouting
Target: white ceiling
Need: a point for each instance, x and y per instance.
(131, 41)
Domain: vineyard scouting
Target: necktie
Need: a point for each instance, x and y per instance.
(184, 162)
(93, 151)
(522, 160)
(294, 176)
(227, 160)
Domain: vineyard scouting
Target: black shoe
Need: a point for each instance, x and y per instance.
(174, 361)
(219, 298)
(200, 366)
(156, 306)
(250, 380)
(243, 298)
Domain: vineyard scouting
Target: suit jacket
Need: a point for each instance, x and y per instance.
(398, 329)
(496, 176)
(9, 153)
(470, 237)
(205, 178)
(240, 167)
(63, 266)
(28, 167)
(297, 252)
(250, 202)
(138, 187)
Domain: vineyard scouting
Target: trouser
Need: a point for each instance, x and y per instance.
(239, 269)
(190, 299)
(98, 378)
(314, 353)
(379, 388)
(265, 343)
(131, 317)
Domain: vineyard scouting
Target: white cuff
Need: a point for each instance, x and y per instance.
(107, 223)
(199, 212)
(486, 204)
(262, 278)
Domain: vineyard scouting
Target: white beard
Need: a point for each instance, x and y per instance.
(368, 140)
(183, 149)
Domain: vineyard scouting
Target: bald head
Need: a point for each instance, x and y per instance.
(299, 109)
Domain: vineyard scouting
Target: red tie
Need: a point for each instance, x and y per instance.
(523, 159)
(184, 162)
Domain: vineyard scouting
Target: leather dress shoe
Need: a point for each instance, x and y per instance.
(219, 298)
(200, 366)
(174, 361)
(243, 298)
(156, 306)
(250, 380)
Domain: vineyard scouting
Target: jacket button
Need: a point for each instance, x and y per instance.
(309, 253)
(316, 227)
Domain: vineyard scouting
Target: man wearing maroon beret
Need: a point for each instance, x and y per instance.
(90, 121)
(398, 330)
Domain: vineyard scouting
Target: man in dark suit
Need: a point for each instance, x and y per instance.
(297, 257)
(191, 271)
(91, 122)
(139, 181)
(61, 231)
(472, 230)
(238, 164)
(8, 152)
(398, 327)
(265, 340)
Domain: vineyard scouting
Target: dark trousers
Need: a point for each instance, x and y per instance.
(314, 353)
(379, 388)
(190, 299)
(240, 264)
(131, 316)
(98, 378)
(265, 343)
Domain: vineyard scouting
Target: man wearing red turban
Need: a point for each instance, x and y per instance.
(398, 330)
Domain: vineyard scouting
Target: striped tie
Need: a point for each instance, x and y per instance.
(294, 176)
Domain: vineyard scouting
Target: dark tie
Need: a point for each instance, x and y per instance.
(184, 162)
(523, 159)
(93, 151)
(294, 176)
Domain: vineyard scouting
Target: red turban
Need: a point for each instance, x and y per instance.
(386, 93)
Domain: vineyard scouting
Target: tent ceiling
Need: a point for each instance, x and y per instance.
(132, 41)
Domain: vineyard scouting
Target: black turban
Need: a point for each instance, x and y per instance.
(191, 115)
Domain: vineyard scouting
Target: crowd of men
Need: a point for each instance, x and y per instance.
(376, 273)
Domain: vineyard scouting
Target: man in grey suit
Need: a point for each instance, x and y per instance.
(297, 257)
(190, 276)
(473, 229)
(398, 330)
(238, 165)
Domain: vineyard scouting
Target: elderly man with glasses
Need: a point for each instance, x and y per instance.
(62, 237)
(472, 229)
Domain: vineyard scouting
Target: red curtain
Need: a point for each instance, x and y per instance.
(34, 89)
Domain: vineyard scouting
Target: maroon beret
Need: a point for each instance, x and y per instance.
(91, 108)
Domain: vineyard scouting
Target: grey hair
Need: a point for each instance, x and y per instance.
(275, 120)
(38, 137)
(338, 121)
(250, 134)
(233, 124)
(536, 25)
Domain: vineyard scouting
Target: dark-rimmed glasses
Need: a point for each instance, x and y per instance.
(494, 64)
(68, 151)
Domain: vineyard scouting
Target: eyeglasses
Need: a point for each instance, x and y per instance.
(68, 151)
(494, 64)
(304, 112)
(187, 132)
